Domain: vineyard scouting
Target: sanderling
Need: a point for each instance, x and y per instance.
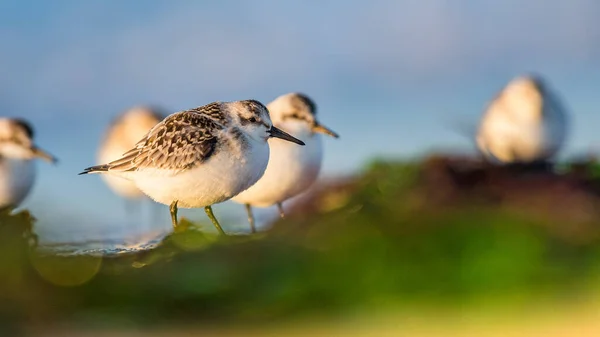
(17, 151)
(525, 123)
(200, 157)
(121, 136)
(291, 169)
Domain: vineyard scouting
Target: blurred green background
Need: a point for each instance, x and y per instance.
(403, 243)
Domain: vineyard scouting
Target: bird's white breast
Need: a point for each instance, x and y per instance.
(291, 170)
(225, 174)
(16, 179)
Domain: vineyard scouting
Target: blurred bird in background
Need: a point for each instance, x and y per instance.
(525, 124)
(121, 136)
(291, 169)
(17, 169)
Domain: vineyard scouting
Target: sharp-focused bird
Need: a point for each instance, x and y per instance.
(200, 157)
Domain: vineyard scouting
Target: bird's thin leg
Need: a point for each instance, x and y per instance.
(250, 218)
(173, 209)
(211, 216)
(280, 208)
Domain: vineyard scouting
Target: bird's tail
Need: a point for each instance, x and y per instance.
(96, 169)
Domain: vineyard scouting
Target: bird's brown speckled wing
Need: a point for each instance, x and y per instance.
(179, 142)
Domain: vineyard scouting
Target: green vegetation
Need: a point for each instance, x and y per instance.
(399, 235)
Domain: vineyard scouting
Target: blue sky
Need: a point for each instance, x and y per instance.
(389, 76)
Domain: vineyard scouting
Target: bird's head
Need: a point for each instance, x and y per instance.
(252, 118)
(297, 111)
(16, 141)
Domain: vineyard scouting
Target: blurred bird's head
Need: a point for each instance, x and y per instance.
(298, 109)
(527, 94)
(133, 124)
(16, 141)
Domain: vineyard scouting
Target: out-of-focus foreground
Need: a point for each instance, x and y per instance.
(444, 246)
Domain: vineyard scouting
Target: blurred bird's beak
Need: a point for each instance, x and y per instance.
(39, 153)
(278, 133)
(318, 128)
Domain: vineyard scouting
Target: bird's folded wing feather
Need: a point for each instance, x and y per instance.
(179, 142)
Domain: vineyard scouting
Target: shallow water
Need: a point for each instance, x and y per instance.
(103, 247)
(122, 240)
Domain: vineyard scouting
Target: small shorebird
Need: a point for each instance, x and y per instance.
(292, 169)
(121, 136)
(526, 123)
(17, 169)
(200, 157)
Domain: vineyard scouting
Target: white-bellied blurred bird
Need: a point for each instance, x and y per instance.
(17, 169)
(200, 157)
(121, 136)
(292, 169)
(525, 123)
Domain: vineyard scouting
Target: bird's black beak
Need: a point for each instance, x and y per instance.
(318, 128)
(278, 133)
(39, 153)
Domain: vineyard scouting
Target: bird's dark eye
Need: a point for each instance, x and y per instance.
(252, 120)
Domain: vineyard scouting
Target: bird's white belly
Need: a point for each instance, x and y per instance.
(507, 142)
(223, 176)
(16, 180)
(291, 170)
